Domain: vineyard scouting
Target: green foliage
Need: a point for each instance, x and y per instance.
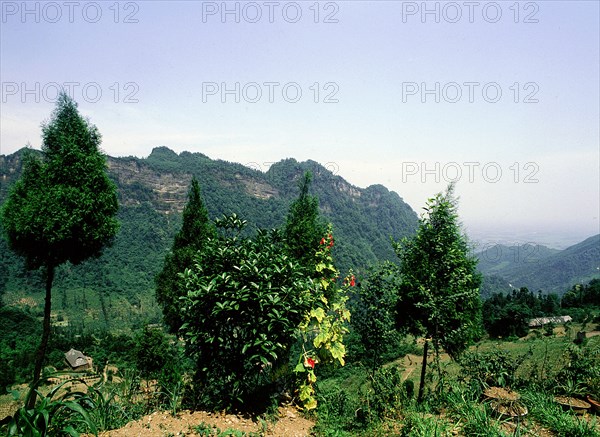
(203, 429)
(417, 424)
(245, 299)
(349, 404)
(194, 232)
(103, 408)
(51, 417)
(388, 392)
(373, 306)
(343, 406)
(103, 347)
(545, 411)
(117, 291)
(476, 418)
(172, 394)
(304, 228)
(490, 369)
(582, 295)
(323, 328)
(581, 371)
(439, 295)
(152, 351)
(62, 209)
(508, 315)
(19, 335)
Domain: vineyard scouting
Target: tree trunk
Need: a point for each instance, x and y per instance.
(423, 370)
(40, 355)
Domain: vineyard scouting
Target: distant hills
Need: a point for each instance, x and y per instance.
(540, 268)
(118, 288)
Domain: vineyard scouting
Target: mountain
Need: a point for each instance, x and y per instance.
(501, 257)
(540, 268)
(117, 290)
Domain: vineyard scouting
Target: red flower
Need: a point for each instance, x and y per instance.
(310, 363)
(330, 240)
(352, 281)
(322, 241)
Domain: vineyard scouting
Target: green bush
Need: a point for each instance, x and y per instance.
(388, 392)
(485, 369)
(341, 411)
(373, 306)
(581, 372)
(245, 300)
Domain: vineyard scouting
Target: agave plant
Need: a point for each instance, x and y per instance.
(49, 416)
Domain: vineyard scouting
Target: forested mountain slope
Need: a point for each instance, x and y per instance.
(540, 268)
(117, 290)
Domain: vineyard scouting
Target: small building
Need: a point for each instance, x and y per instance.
(78, 361)
(556, 320)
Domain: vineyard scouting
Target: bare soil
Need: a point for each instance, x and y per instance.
(162, 424)
(569, 402)
(501, 394)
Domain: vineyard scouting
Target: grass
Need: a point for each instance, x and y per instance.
(548, 413)
(347, 400)
(353, 402)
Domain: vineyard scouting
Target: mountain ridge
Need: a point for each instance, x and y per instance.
(119, 286)
(538, 267)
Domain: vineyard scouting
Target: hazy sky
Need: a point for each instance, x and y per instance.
(503, 96)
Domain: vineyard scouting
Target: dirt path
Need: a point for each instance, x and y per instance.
(410, 362)
(187, 423)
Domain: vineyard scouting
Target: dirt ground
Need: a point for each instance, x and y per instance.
(162, 424)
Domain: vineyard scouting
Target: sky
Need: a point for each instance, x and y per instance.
(501, 97)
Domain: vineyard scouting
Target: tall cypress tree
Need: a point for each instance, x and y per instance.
(304, 228)
(195, 230)
(63, 207)
(439, 293)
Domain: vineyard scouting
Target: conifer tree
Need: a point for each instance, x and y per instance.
(195, 230)
(63, 207)
(439, 294)
(304, 227)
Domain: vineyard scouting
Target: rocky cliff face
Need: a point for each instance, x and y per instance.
(139, 182)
